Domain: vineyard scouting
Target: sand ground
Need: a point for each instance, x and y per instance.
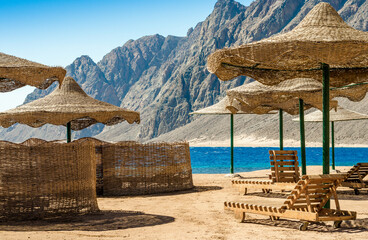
(193, 214)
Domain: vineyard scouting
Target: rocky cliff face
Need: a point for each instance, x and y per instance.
(165, 78)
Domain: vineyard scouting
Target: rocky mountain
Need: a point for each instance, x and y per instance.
(165, 78)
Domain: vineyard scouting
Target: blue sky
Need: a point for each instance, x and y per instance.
(56, 32)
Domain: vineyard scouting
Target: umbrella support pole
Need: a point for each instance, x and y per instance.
(333, 144)
(232, 142)
(326, 120)
(68, 132)
(281, 130)
(302, 136)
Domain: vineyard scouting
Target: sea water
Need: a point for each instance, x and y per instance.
(217, 159)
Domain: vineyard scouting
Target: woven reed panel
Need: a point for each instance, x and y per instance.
(131, 168)
(46, 179)
(98, 159)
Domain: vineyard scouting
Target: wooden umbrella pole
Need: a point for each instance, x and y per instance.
(333, 144)
(232, 142)
(302, 136)
(326, 121)
(281, 126)
(68, 132)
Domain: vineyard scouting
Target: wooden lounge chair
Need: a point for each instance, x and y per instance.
(284, 174)
(304, 203)
(355, 177)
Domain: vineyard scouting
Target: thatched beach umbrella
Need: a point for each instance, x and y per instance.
(341, 114)
(321, 41)
(223, 107)
(70, 106)
(293, 96)
(17, 72)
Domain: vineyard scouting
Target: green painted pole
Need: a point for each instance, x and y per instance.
(281, 129)
(326, 120)
(302, 136)
(232, 142)
(68, 132)
(333, 144)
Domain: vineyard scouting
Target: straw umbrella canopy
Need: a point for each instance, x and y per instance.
(292, 96)
(322, 36)
(285, 95)
(70, 106)
(223, 107)
(17, 72)
(289, 96)
(341, 114)
(320, 41)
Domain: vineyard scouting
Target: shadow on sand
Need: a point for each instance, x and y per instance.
(99, 221)
(195, 189)
(355, 226)
(342, 195)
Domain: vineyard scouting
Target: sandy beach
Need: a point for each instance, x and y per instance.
(192, 214)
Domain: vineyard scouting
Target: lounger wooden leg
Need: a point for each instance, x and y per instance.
(304, 226)
(337, 224)
(274, 218)
(356, 191)
(239, 216)
(245, 191)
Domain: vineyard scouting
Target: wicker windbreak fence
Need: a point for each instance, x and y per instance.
(40, 179)
(98, 160)
(131, 168)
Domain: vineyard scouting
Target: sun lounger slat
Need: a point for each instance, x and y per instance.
(283, 163)
(284, 168)
(303, 204)
(283, 157)
(310, 200)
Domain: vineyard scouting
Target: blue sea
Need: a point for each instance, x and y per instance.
(217, 159)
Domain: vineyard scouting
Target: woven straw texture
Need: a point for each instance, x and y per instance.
(322, 36)
(131, 168)
(33, 142)
(46, 180)
(98, 144)
(261, 98)
(223, 107)
(17, 72)
(338, 77)
(341, 114)
(69, 103)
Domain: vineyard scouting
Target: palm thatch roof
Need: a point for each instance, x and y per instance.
(223, 107)
(17, 72)
(260, 98)
(322, 36)
(340, 114)
(69, 103)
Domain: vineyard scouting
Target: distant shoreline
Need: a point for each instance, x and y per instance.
(311, 170)
(249, 142)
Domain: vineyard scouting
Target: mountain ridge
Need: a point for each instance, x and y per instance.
(165, 78)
